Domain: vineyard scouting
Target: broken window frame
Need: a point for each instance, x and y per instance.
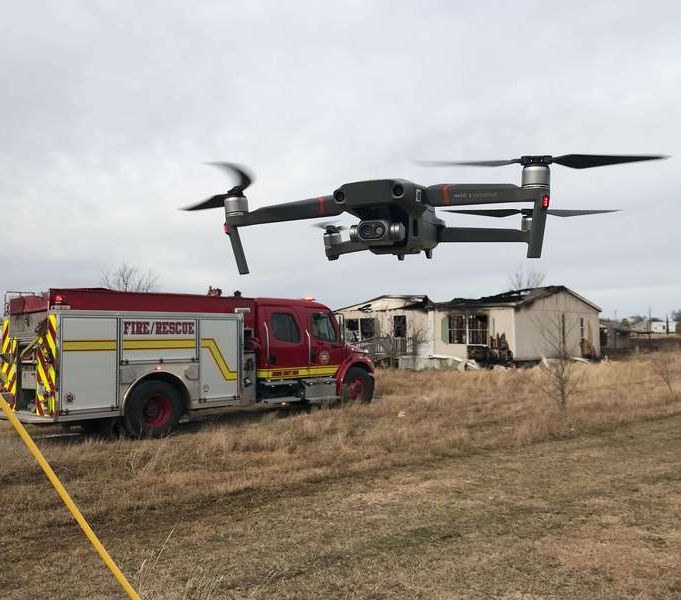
(477, 329)
(367, 328)
(400, 330)
(456, 329)
(469, 329)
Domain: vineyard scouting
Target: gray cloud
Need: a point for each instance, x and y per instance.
(110, 108)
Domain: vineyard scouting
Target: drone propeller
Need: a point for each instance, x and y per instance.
(527, 212)
(329, 226)
(218, 201)
(574, 161)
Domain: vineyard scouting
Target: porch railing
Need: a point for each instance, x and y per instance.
(384, 348)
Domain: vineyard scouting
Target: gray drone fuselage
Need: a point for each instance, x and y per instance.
(393, 217)
(398, 217)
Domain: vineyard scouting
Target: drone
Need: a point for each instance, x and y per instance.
(398, 217)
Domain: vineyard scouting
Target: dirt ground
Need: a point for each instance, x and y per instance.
(594, 512)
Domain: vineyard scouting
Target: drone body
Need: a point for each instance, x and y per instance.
(398, 216)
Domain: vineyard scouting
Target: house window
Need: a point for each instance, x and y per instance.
(400, 326)
(367, 328)
(456, 333)
(477, 330)
(582, 332)
(360, 329)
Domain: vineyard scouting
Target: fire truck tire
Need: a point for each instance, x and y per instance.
(358, 387)
(153, 409)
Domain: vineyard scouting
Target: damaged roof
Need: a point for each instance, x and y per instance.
(514, 298)
(410, 301)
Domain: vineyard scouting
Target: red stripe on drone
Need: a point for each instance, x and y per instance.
(320, 200)
(445, 194)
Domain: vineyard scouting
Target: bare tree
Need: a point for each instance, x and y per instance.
(522, 279)
(665, 365)
(419, 336)
(557, 374)
(387, 348)
(130, 279)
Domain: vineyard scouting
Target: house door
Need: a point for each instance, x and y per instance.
(326, 348)
(285, 352)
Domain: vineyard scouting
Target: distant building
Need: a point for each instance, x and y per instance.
(654, 326)
(518, 326)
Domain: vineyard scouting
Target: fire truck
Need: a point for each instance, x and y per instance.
(141, 361)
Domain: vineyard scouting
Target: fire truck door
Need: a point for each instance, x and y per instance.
(285, 348)
(326, 347)
(88, 365)
(220, 359)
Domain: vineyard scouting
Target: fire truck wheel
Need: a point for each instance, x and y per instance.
(153, 409)
(358, 386)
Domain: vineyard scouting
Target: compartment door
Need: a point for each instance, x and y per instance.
(220, 359)
(89, 364)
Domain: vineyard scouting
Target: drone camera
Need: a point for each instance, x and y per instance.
(371, 231)
(378, 231)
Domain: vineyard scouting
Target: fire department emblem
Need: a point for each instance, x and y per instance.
(324, 357)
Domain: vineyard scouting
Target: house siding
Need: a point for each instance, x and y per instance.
(501, 321)
(540, 325)
(527, 326)
(383, 312)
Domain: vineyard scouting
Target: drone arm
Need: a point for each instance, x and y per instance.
(538, 223)
(481, 234)
(463, 194)
(237, 248)
(335, 250)
(312, 208)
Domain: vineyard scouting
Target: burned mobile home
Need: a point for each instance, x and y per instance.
(515, 327)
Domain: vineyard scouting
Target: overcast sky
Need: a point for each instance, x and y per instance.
(109, 109)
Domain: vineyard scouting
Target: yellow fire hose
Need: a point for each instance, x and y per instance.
(64, 495)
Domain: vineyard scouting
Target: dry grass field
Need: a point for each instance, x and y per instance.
(451, 485)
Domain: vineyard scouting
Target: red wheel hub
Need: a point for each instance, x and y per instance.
(156, 411)
(356, 390)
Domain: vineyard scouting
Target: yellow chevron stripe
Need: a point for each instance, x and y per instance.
(155, 344)
(12, 379)
(89, 345)
(5, 335)
(297, 372)
(211, 345)
(151, 344)
(43, 376)
(50, 340)
(159, 344)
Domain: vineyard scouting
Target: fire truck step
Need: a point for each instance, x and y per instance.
(282, 400)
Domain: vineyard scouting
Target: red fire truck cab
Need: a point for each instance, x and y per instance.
(102, 358)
